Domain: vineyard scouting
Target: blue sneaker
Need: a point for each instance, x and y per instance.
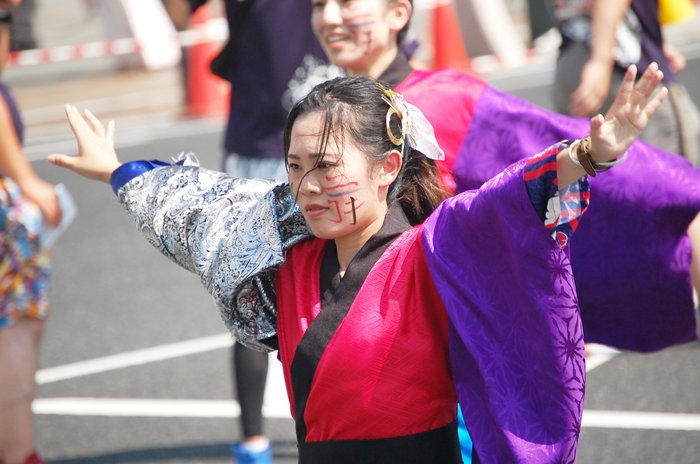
(245, 456)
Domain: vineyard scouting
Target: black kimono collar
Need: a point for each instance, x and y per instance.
(397, 72)
(395, 223)
(337, 296)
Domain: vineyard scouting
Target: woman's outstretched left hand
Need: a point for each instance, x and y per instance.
(613, 134)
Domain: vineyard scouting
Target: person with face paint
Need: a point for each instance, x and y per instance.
(389, 303)
(634, 282)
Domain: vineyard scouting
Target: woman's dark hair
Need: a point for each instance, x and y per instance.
(355, 111)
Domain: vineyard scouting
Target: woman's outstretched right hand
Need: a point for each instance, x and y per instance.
(96, 158)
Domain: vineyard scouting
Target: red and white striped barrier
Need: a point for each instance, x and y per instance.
(216, 30)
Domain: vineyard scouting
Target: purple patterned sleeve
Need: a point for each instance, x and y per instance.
(559, 210)
(516, 340)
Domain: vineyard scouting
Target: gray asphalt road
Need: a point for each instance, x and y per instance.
(114, 295)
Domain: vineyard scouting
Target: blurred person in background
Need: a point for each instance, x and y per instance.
(643, 299)
(22, 27)
(25, 274)
(270, 43)
(600, 38)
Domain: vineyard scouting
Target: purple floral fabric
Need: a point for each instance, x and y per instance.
(516, 341)
(630, 253)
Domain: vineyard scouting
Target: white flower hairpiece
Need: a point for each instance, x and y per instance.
(415, 128)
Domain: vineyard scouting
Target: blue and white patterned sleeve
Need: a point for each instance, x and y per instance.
(231, 232)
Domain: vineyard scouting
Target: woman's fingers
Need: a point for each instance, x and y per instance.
(97, 126)
(63, 161)
(80, 126)
(96, 157)
(646, 85)
(627, 87)
(110, 135)
(597, 122)
(76, 121)
(655, 102)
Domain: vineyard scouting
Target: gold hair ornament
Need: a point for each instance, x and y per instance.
(415, 128)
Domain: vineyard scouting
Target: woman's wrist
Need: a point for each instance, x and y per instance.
(107, 176)
(581, 153)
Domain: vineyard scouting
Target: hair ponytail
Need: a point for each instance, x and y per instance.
(417, 188)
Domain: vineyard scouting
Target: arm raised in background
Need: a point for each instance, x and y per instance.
(597, 72)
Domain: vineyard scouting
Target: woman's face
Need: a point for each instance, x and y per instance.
(343, 195)
(355, 34)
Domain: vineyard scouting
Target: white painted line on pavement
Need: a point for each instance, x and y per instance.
(134, 358)
(597, 355)
(276, 400)
(640, 420)
(128, 407)
(124, 407)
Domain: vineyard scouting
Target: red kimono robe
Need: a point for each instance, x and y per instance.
(374, 366)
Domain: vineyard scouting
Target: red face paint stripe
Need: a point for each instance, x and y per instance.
(356, 207)
(356, 17)
(358, 25)
(342, 185)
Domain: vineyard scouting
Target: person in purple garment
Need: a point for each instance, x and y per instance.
(360, 224)
(483, 130)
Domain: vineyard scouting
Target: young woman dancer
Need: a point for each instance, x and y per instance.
(482, 130)
(387, 305)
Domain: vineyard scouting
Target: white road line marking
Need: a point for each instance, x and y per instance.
(134, 358)
(124, 407)
(597, 355)
(140, 407)
(276, 404)
(640, 420)
(276, 401)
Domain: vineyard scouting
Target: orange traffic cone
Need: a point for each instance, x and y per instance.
(448, 44)
(207, 94)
